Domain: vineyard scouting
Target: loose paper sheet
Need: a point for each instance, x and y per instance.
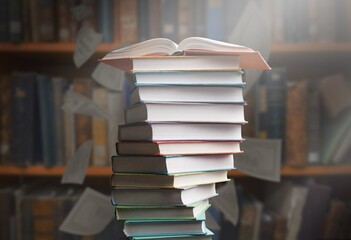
(77, 103)
(81, 11)
(211, 223)
(87, 42)
(76, 167)
(252, 31)
(261, 158)
(90, 215)
(109, 77)
(227, 202)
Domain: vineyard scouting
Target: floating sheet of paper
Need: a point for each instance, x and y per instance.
(77, 166)
(109, 77)
(87, 42)
(81, 11)
(261, 158)
(227, 202)
(77, 103)
(90, 215)
(211, 223)
(252, 31)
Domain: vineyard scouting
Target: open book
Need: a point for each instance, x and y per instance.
(192, 46)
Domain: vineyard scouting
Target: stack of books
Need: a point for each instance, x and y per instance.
(180, 135)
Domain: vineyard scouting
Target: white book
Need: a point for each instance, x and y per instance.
(178, 147)
(208, 236)
(181, 93)
(160, 131)
(162, 196)
(167, 181)
(185, 112)
(127, 212)
(188, 77)
(171, 164)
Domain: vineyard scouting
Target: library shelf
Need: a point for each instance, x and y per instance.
(106, 171)
(277, 48)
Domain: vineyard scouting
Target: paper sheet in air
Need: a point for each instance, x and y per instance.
(261, 158)
(81, 11)
(90, 215)
(252, 31)
(109, 77)
(87, 42)
(76, 167)
(227, 202)
(77, 103)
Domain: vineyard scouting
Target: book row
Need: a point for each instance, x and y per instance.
(36, 127)
(137, 20)
(54, 21)
(28, 206)
(311, 116)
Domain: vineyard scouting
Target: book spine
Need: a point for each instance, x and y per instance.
(143, 23)
(58, 86)
(104, 19)
(100, 130)
(5, 119)
(215, 19)
(128, 22)
(200, 18)
(23, 118)
(46, 21)
(43, 212)
(169, 15)
(313, 127)
(69, 131)
(186, 13)
(82, 123)
(15, 21)
(63, 21)
(154, 18)
(296, 122)
(4, 21)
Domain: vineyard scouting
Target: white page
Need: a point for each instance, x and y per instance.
(261, 158)
(90, 215)
(87, 42)
(227, 202)
(252, 31)
(81, 11)
(77, 103)
(109, 77)
(76, 167)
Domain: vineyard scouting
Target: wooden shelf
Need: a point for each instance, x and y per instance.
(277, 48)
(106, 171)
(50, 47)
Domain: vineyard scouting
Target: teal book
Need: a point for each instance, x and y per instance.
(207, 236)
(135, 228)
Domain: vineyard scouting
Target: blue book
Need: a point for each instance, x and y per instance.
(105, 19)
(24, 147)
(143, 19)
(215, 19)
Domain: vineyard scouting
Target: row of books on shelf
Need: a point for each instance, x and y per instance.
(311, 116)
(286, 211)
(289, 210)
(36, 130)
(137, 20)
(54, 21)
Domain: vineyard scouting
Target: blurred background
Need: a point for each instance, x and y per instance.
(49, 51)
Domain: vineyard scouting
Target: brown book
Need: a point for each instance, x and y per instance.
(100, 130)
(5, 119)
(7, 212)
(334, 219)
(66, 24)
(43, 213)
(296, 125)
(83, 123)
(128, 22)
